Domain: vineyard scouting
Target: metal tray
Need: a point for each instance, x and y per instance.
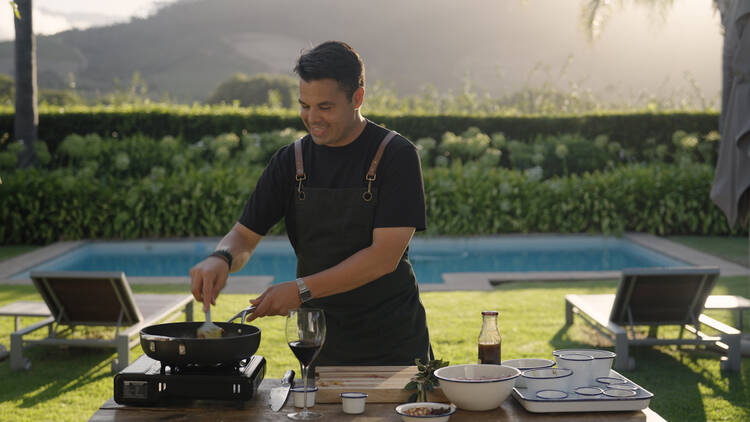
(578, 403)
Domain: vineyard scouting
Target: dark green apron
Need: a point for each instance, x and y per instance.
(380, 323)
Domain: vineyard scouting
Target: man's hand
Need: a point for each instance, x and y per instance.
(276, 300)
(207, 278)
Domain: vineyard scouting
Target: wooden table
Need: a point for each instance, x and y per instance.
(258, 409)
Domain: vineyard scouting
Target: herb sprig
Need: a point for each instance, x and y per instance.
(424, 381)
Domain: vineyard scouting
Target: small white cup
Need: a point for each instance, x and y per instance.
(603, 359)
(298, 393)
(581, 365)
(353, 403)
(546, 379)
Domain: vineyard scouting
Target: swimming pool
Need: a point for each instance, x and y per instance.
(431, 257)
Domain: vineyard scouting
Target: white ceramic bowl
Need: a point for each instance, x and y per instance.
(477, 386)
(401, 410)
(525, 365)
(603, 360)
(547, 379)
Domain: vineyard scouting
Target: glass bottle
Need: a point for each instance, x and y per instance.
(489, 343)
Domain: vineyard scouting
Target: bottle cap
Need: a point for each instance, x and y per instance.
(494, 313)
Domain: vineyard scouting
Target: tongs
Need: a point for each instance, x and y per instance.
(243, 313)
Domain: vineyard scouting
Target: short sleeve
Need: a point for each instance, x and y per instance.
(401, 201)
(268, 202)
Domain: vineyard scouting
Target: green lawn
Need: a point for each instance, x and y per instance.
(732, 249)
(11, 251)
(688, 386)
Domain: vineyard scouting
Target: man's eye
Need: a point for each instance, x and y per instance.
(325, 108)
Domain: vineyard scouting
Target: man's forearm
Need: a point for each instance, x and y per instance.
(240, 242)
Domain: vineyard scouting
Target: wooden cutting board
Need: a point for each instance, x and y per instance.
(383, 384)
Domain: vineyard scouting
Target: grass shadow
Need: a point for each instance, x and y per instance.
(55, 372)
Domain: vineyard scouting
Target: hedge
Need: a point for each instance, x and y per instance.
(633, 130)
(660, 199)
(43, 207)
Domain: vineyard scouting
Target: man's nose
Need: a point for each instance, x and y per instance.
(312, 115)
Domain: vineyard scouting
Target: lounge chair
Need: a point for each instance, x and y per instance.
(95, 299)
(654, 297)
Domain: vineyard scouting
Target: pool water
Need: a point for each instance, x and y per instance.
(430, 257)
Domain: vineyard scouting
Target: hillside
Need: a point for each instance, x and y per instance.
(186, 49)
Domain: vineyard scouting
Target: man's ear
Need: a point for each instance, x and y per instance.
(359, 97)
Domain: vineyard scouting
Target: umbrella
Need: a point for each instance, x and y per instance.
(730, 190)
(732, 179)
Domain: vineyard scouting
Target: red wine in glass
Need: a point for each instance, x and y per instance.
(304, 351)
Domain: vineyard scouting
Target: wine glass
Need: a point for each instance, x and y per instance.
(305, 334)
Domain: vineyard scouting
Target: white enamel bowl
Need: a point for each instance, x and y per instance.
(602, 364)
(405, 417)
(525, 365)
(476, 386)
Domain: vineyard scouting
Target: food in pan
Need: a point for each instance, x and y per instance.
(210, 333)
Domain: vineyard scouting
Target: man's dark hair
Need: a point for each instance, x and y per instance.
(333, 60)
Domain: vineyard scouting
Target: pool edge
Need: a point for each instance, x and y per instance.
(684, 253)
(23, 262)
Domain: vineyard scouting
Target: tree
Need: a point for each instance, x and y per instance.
(260, 89)
(26, 121)
(595, 13)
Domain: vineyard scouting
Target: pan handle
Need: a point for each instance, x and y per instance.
(242, 314)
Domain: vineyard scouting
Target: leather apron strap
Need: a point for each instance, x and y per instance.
(300, 175)
(382, 322)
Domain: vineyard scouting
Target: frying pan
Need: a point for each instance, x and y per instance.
(177, 343)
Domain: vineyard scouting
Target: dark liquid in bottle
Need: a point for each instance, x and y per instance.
(305, 352)
(489, 353)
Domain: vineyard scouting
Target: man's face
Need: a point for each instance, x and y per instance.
(331, 118)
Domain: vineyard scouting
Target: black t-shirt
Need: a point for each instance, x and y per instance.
(399, 180)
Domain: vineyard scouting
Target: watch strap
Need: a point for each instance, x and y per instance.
(225, 255)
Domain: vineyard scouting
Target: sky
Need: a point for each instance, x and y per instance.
(52, 16)
(657, 49)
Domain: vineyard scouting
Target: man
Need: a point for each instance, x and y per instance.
(352, 196)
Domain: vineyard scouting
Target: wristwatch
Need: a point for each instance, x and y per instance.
(304, 292)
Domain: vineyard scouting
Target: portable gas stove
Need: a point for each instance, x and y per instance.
(147, 381)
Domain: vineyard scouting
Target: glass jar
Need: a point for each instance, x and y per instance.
(489, 342)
